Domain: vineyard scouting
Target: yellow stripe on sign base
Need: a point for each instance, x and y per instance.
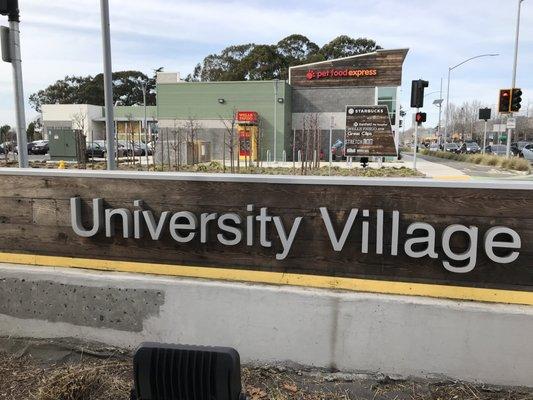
(278, 278)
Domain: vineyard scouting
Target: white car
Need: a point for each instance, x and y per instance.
(528, 154)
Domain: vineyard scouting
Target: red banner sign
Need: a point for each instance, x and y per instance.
(246, 116)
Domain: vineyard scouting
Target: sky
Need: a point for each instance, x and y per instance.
(64, 38)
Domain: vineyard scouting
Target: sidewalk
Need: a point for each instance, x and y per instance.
(435, 170)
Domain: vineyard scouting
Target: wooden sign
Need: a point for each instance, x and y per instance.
(368, 132)
(383, 235)
(380, 68)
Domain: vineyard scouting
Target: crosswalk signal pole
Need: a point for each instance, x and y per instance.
(11, 9)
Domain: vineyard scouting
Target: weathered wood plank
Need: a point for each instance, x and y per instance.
(35, 218)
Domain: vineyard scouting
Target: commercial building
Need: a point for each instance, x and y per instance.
(315, 97)
(90, 120)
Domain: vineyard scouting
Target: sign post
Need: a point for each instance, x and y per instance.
(484, 114)
(330, 142)
(416, 141)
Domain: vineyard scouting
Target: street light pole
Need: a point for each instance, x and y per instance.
(145, 127)
(448, 91)
(515, 62)
(440, 112)
(275, 118)
(108, 86)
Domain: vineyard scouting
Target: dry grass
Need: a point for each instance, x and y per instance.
(106, 381)
(23, 378)
(513, 163)
(216, 167)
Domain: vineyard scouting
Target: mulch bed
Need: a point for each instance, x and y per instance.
(81, 373)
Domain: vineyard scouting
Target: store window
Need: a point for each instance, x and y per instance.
(387, 97)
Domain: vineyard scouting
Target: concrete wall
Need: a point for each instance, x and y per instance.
(80, 116)
(408, 336)
(320, 100)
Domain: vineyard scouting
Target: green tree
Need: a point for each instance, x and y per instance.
(297, 49)
(260, 61)
(127, 88)
(30, 132)
(4, 129)
(196, 74)
(263, 62)
(345, 46)
(226, 66)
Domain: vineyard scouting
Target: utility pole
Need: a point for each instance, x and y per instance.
(275, 117)
(440, 112)
(11, 9)
(108, 85)
(145, 127)
(515, 62)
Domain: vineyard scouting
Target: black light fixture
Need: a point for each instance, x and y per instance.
(183, 372)
(221, 101)
(280, 100)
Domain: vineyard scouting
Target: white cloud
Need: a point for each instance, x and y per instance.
(63, 37)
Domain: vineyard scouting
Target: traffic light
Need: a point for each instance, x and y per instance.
(10, 8)
(3, 7)
(420, 117)
(505, 101)
(417, 93)
(515, 100)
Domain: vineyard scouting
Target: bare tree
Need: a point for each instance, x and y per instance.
(192, 128)
(232, 143)
(78, 126)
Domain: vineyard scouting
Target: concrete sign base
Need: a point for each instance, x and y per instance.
(351, 331)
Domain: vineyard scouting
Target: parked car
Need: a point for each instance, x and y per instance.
(38, 147)
(145, 148)
(337, 151)
(130, 148)
(527, 152)
(119, 149)
(469, 148)
(93, 150)
(450, 147)
(519, 146)
(433, 147)
(28, 150)
(496, 149)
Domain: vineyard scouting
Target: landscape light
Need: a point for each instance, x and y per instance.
(183, 372)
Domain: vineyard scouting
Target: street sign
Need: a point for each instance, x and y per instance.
(368, 132)
(511, 123)
(499, 127)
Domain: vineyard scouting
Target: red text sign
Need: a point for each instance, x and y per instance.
(246, 116)
(339, 73)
